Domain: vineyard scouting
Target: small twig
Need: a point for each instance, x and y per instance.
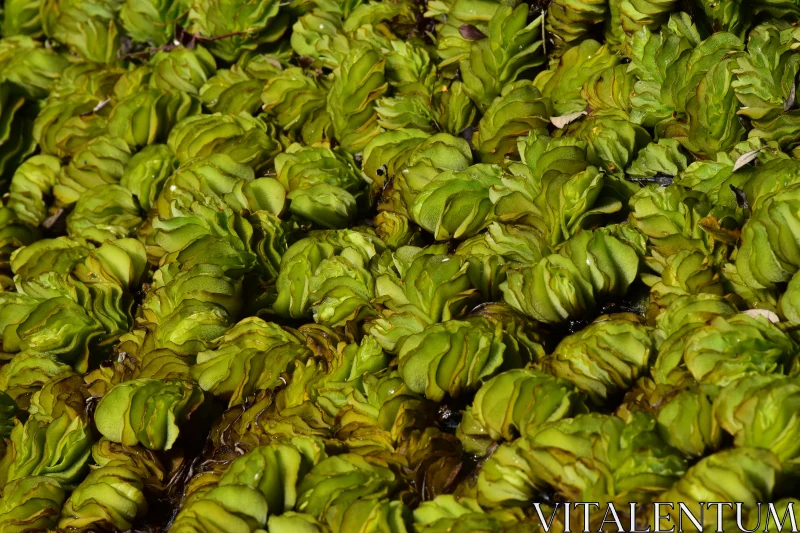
(181, 40)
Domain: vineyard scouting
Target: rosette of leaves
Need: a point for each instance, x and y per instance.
(455, 109)
(759, 412)
(773, 174)
(106, 212)
(234, 90)
(514, 403)
(686, 421)
(219, 178)
(147, 116)
(341, 289)
(133, 80)
(58, 255)
(434, 462)
(709, 176)
(190, 234)
(627, 17)
(374, 514)
(557, 191)
(32, 69)
(56, 440)
(684, 416)
(76, 301)
(730, 347)
(654, 58)
(409, 68)
(58, 327)
(619, 460)
(450, 17)
(145, 173)
(609, 91)
(395, 230)
(230, 508)
(493, 252)
(688, 93)
(365, 516)
(147, 412)
(669, 217)
(759, 262)
(243, 137)
(244, 25)
(212, 211)
(661, 158)
(684, 273)
(320, 23)
(378, 414)
(521, 332)
(712, 121)
(406, 111)
(66, 123)
(336, 483)
(296, 100)
(764, 80)
(325, 270)
(347, 369)
(136, 363)
(674, 326)
(151, 21)
(454, 357)
(358, 82)
(26, 373)
(518, 109)
(590, 265)
(182, 69)
(260, 483)
(569, 21)
(510, 48)
(190, 306)
(745, 296)
(251, 356)
(612, 142)
(99, 162)
(430, 288)
(30, 187)
(137, 459)
(387, 153)
(562, 83)
(736, 18)
(96, 79)
(88, 29)
(30, 504)
(605, 358)
(112, 272)
(276, 470)
(747, 475)
(391, 156)
(382, 18)
(460, 515)
(456, 205)
(324, 185)
(110, 498)
(21, 17)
